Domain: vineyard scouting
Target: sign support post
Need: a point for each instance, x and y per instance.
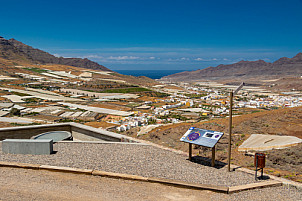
(190, 151)
(213, 156)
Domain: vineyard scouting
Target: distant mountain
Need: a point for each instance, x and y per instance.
(244, 69)
(15, 50)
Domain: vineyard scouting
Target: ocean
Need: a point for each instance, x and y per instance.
(153, 74)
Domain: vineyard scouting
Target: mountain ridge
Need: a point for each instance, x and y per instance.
(13, 49)
(282, 67)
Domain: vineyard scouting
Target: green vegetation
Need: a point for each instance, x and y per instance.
(175, 116)
(15, 112)
(261, 96)
(36, 70)
(70, 120)
(16, 124)
(126, 90)
(204, 117)
(152, 121)
(154, 94)
(32, 100)
(195, 95)
(31, 114)
(132, 105)
(19, 94)
(241, 98)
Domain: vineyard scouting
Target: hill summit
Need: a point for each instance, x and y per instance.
(15, 50)
(244, 69)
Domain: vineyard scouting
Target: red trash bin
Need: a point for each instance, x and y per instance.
(259, 161)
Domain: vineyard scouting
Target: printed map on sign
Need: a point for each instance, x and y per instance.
(201, 137)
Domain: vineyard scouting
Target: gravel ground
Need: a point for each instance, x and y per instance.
(141, 160)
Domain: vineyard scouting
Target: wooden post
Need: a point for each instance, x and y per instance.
(213, 156)
(230, 130)
(190, 151)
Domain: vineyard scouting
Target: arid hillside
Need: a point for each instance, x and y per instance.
(283, 67)
(15, 50)
(286, 121)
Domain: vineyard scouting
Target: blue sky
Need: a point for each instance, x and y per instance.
(157, 35)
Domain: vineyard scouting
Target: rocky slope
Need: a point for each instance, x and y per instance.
(245, 69)
(15, 50)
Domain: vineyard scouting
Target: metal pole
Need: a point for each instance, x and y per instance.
(256, 156)
(190, 151)
(230, 130)
(261, 173)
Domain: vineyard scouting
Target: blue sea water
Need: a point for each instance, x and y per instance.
(154, 74)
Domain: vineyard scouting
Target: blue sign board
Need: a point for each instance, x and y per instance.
(201, 137)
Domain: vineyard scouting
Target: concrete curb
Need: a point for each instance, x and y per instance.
(19, 165)
(118, 175)
(220, 189)
(235, 189)
(66, 169)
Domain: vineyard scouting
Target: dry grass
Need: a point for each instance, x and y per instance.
(101, 124)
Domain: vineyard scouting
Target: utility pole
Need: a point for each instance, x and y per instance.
(231, 124)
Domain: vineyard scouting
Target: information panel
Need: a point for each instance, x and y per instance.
(201, 137)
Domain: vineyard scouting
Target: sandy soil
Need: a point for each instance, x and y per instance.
(102, 124)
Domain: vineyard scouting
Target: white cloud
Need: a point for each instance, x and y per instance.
(123, 58)
(152, 58)
(94, 56)
(201, 59)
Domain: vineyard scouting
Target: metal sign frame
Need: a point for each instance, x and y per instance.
(202, 137)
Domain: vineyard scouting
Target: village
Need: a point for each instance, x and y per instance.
(47, 96)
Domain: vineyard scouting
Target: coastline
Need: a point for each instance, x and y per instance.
(153, 74)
